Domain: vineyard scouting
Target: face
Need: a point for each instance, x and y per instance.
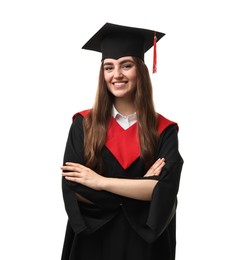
(120, 76)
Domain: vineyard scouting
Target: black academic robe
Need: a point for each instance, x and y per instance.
(116, 227)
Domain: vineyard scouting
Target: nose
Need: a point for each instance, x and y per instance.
(118, 73)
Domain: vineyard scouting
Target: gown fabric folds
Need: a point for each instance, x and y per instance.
(116, 227)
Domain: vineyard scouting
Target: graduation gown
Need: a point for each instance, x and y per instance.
(116, 227)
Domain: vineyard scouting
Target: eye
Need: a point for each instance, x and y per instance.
(127, 65)
(108, 68)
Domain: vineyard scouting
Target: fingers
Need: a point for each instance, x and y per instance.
(156, 168)
(74, 179)
(74, 171)
(71, 171)
(73, 167)
(73, 164)
(72, 174)
(81, 174)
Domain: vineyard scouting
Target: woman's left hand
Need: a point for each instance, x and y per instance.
(156, 168)
(81, 174)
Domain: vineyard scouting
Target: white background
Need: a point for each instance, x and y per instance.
(45, 78)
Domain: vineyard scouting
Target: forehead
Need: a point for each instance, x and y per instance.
(120, 60)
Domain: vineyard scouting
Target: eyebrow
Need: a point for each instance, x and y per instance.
(123, 61)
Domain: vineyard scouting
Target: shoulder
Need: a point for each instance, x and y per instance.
(164, 123)
(81, 114)
(77, 120)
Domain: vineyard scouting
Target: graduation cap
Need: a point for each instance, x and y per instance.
(115, 41)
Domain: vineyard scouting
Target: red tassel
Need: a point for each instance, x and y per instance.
(155, 55)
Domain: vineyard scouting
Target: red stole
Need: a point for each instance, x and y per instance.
(124, 143)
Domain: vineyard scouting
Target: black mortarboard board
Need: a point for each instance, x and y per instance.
(115, 41)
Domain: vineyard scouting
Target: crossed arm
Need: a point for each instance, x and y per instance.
(140, 189)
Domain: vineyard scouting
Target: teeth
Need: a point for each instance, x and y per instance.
(119, 83)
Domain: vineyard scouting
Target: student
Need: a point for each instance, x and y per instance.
(122, 164)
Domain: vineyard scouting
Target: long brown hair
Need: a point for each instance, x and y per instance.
(95, 124)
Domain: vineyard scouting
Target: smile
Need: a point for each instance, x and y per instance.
(119, 83)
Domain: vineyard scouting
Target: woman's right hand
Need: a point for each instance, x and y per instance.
(156, 168)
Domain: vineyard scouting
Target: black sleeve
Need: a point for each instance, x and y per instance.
(74, 153)
(157, 214)
(164, 198)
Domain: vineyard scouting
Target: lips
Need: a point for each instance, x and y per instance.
(119, 84)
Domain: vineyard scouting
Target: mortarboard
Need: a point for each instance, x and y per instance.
(115, 41)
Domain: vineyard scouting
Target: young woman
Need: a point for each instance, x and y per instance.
(122, 165)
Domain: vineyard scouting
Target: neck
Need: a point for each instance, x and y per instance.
(124, 107)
